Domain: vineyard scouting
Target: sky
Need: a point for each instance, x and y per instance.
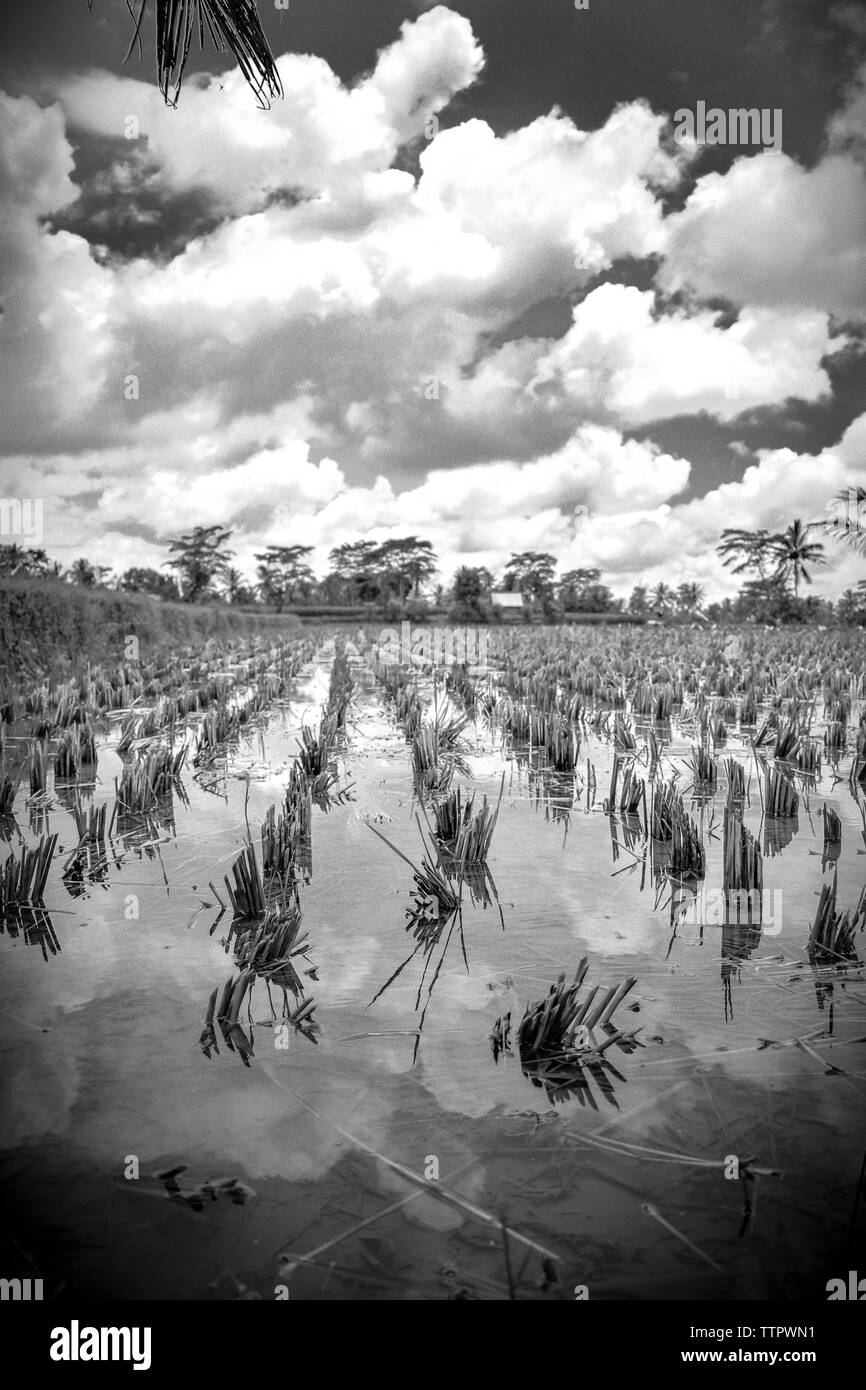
(461, 282)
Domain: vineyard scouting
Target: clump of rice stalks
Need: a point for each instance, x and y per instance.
(704, 767)
(749, 708)
(217, 727)
(633, 793)
(433, 890)
(654, 701)
(316, 749)
(781, 798)
(556, 1041)
(8, 791)
(68, 710)
(90, 826)
(809, 757)
(672, 824)
(23, 878)
(558, 737)
(67, 759)
(450, 725)
(513, 717)
(736, 781)
(38, 768)
(788, 740)
(144, 780)
(765, 733)
(742, 865)
(466, 837)
(248, 898)
(436, 751)
(287, 838)
(833, 932)
(340, 690)
(835, 736)
(408, 709)
(459, 683)
(718, 729)
(563, 1022)
(623, 735)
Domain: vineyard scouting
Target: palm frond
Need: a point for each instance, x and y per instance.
(230, 25)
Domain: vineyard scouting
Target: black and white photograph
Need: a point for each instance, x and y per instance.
(433, 663)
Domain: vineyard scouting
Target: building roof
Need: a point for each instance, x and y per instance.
(506, 598)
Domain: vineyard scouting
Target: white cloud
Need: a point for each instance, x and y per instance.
(771, 233)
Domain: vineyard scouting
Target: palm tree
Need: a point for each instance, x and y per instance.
(232, 25)
(662, 597)
(690, 597)
(82, 572)
(852, 527)
(793, 550)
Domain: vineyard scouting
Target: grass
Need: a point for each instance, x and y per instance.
(48, 627)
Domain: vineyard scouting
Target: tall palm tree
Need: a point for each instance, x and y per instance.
(232, 25)
(794, 550)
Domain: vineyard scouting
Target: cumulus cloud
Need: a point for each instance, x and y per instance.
(54, 299)
(771, 232)
(345, 342)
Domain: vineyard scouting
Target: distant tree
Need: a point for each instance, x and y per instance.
(141, 580)
(689, 598)
(851, 608)
(574, 585)
(662, 599)
(82, 572)
(764, 600)
(638, 603)
(17, 560)
(284, 574)
(354, 563)
(793, 551)
(403, 563)
(531, 572)
(201, 556)
(743, 551)
(470, 592)
(236, 588)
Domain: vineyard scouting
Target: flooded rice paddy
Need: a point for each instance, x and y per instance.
(207, 1101)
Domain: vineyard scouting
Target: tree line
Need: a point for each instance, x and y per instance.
(387, 576)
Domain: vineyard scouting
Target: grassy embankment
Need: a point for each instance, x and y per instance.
(50, 628)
